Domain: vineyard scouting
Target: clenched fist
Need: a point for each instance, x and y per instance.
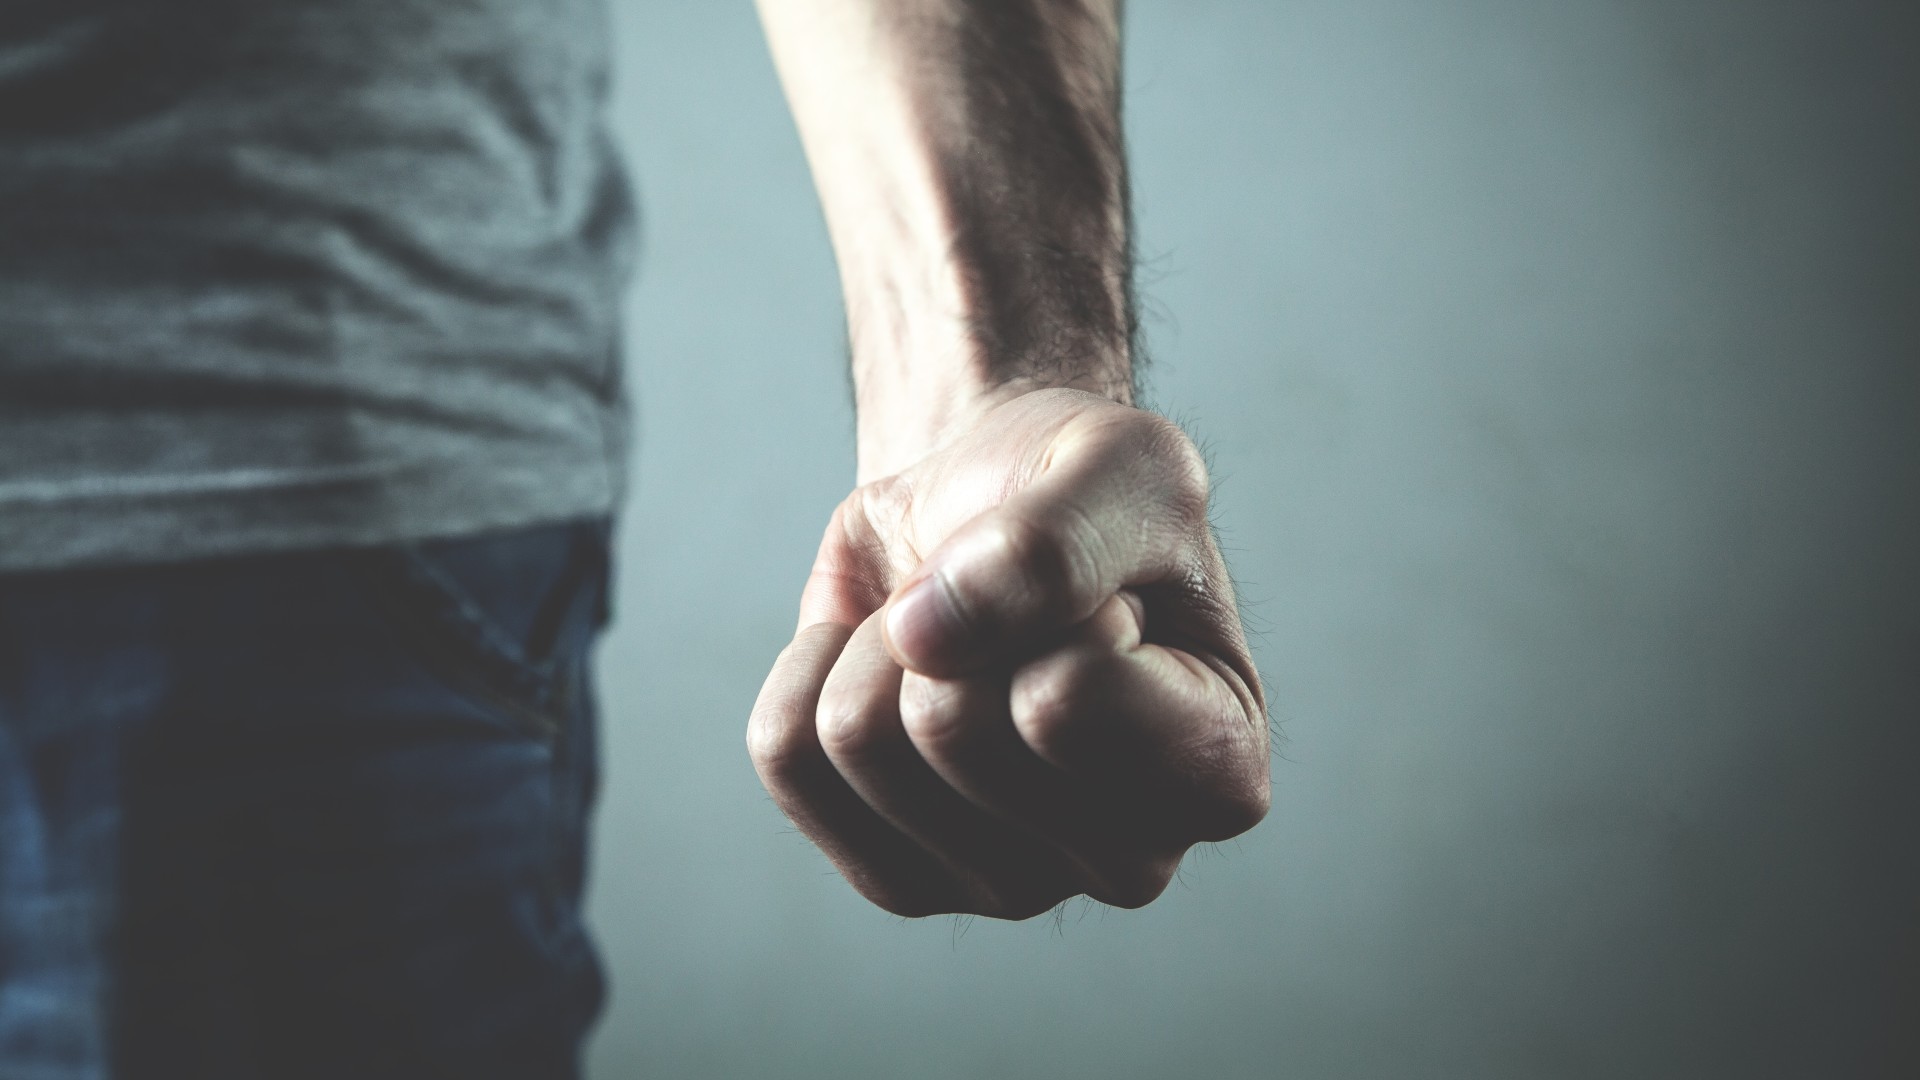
(1019, 674)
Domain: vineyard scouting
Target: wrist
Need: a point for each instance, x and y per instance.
(941, 335)
(901, 422)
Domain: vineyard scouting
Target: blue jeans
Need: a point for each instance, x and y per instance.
(306, 815)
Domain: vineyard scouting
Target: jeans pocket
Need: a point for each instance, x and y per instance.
(503, 618)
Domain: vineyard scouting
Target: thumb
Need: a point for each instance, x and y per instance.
(1119, 503)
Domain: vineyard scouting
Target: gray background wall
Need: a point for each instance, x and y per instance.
(1558, 361)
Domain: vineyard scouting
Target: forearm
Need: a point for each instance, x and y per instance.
(969, 159)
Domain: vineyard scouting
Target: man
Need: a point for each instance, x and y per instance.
(309, 433)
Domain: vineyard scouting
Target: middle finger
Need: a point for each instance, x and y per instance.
(1005, 872)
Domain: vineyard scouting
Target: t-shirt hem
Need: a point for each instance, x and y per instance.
(419, 502)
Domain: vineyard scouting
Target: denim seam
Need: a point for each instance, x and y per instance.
(499, 677)
(476, 618)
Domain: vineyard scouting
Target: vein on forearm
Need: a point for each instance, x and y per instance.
(1035, 183)
(1025, 135)
(969, 158)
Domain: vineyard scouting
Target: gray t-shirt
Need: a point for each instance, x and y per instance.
(296, 273)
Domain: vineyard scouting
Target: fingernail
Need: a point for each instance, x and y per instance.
(923, 625)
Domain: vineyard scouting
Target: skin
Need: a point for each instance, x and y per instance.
(1018, 674)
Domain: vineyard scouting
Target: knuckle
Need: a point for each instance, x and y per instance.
(1015, 886)
(1232, 782)
(1049, 563)
(884, 502)
(1185, 478)
(875, 511)
(775, 741)
(1137, 882)
(1051, 702)
(847, 728)
(1238, 805)
(910, 888)
(932, 713)
(1017, 899)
